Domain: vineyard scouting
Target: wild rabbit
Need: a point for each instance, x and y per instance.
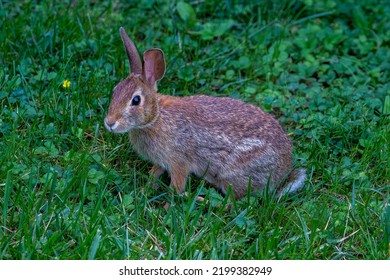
(224, 140)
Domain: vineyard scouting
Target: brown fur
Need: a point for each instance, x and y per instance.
(227, 141)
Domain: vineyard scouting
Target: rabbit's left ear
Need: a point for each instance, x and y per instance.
(154, 66)
(132, 53)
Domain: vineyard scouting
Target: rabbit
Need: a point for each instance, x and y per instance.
(228, 142)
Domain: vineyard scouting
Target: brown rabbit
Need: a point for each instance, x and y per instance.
(224, 140)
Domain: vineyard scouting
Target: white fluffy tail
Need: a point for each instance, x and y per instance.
(296, 181)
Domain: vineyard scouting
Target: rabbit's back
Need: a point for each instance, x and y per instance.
(223, 139)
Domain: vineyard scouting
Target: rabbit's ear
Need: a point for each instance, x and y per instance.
(154, 66)
(132, 53)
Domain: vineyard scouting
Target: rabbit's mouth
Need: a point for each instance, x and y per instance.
(121, 127)
(114, 126)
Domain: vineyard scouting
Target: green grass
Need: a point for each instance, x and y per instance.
(71, 190)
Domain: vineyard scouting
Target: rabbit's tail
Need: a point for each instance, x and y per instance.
(295, 181)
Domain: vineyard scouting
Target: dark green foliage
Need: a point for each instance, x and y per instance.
(71, 190)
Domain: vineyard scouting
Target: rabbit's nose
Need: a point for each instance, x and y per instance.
(109, 123)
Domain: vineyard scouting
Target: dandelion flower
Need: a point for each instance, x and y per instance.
(66, 84)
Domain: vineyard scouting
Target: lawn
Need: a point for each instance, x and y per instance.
(69, 189)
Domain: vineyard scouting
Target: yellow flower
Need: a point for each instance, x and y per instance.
(66, 84)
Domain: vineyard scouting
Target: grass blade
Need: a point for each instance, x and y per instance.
(7, 194)
(95, 245)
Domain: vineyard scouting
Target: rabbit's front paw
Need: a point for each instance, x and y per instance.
(156, 172)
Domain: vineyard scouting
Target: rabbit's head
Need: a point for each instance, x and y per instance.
(134, 101)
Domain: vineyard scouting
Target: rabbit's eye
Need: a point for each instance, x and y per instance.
(136, 100)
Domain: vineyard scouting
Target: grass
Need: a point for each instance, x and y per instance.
(71, 190)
